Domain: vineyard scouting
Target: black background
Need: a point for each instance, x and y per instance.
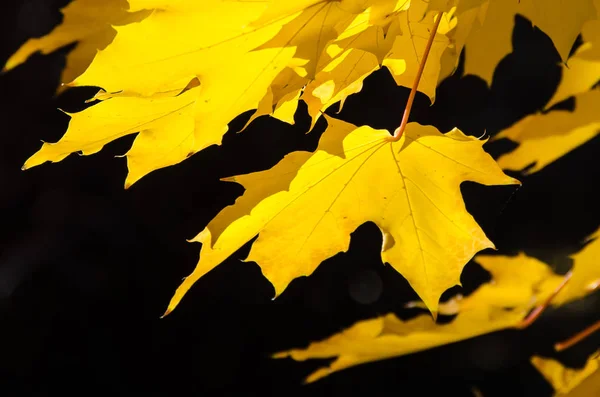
(87, 268)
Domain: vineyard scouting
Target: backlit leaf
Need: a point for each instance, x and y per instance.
(344, 76)
(584, 280)
(586, 272)
(502, 303)
(408, 49)
(166, 127)
(582, 70)
(545, 137)
(88, 22)
(560, 20)
(409, 188)
(317, 51)
(571, 382)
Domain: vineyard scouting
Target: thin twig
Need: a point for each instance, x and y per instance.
(537, 312)
(578, 337)
(400, 130)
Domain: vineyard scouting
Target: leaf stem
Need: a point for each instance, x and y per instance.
(411, 97)
(578, 337)
(537, 312)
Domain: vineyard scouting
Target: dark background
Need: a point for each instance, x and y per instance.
(87, 268)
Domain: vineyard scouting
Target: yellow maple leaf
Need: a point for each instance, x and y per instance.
(502, 303)
(560, 20)
(398, 38)
(545, 137)
(177, 42)
(212, 109)
(518, 279)
(282, 47)
(190, 38)
(342, 77)
(87, 22)
(165, 125)
(281, 99)
(586, 272)
(184, 40)
(388, 33)
(407, 51)
(585, 276)
(582, 70)
(409, 188)
(571, 382)
(465, 17)
(377, 38)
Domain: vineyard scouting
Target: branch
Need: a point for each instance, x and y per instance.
(577, 337)
(400, 130)
(537, 312)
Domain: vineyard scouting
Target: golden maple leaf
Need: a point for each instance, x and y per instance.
(515, 288)
(582, 70)
(586, 272)
(305, 207)
(321, 45)
(87, 22)
(166, 135)
(560, 20)
(390, 34)
(571, 382)
(585, 276)
(407, 50)
(518, 284)
(466, 18)
(545, 137)
(337, 81)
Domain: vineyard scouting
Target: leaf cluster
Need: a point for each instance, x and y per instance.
(176, 73)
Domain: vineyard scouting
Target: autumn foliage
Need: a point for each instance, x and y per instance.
(176, 73)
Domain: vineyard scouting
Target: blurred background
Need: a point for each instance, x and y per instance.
(87, 268)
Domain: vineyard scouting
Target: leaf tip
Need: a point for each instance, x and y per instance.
(167, 312)
(172, 304)
(514, 181)
(278, 290)
(12, 63)
(282, 354)
(30, 163)
(275, 296)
